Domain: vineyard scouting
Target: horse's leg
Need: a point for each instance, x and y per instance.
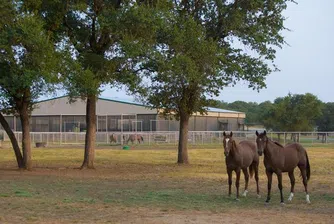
(237, 182)
(280, 186)
(270, 178)
(257, 180)
(303, 171)
(229, 173)
(292, 181)
(245, 171)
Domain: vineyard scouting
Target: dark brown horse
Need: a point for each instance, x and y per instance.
(134, 138)
(240, 157)
(279, 159)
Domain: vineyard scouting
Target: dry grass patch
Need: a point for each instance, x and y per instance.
(147, 186)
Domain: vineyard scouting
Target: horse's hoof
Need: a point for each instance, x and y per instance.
(245, 193)
(237, 199)
(282, 203)
(258, 196)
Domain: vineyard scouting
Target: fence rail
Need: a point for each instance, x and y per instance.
(171, 137)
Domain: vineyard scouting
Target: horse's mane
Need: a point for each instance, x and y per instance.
(279, 144)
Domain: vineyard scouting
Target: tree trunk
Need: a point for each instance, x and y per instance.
(16, 147)
(183, 140)
(26, 142)
(90, 133)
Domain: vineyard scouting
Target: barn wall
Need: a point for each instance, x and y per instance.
(58, 115)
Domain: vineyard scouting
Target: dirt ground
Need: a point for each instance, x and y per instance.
(148, 187)
(117, 214)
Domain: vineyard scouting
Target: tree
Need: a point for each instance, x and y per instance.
(28, 65)
(199, 51)
(250, 108)
(294, 113)
(97, 33)
(7, 14)
(219, 104)
(326, 121)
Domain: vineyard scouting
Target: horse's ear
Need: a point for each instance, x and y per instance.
(224, 134)
(257, 133)
(265, 133)
(231, 134)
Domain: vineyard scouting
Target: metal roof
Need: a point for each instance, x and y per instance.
(133, 102)
(219, 110)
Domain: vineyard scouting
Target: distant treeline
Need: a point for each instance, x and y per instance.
(294, 112)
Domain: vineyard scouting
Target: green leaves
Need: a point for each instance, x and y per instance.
(29, 64)
(107, 38)
(293, 113)
(199, 49)
(326, 121)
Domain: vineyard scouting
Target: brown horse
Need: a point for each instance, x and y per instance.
(112, 138)
(134, 138)
(240, 157)
(279, 159)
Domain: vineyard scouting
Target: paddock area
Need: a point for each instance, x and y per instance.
(147, 186)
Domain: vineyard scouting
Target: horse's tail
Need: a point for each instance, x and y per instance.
(142, 139)
(308, 167)
(252, 169)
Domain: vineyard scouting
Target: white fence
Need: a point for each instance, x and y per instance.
(194, 137)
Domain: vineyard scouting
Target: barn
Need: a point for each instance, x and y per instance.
(115, 115)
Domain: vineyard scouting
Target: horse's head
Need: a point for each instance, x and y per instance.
(228, 142)
(261, 141)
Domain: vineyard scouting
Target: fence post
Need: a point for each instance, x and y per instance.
(326, 137)
(298, 137)
(149, 138)
(312, 138)
(219, 137)
(284, 137)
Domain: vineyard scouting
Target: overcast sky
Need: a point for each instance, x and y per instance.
(307, 65)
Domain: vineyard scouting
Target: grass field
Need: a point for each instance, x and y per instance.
(147, 186)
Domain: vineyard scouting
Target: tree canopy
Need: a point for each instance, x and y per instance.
(199, 50)
(326, 121)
